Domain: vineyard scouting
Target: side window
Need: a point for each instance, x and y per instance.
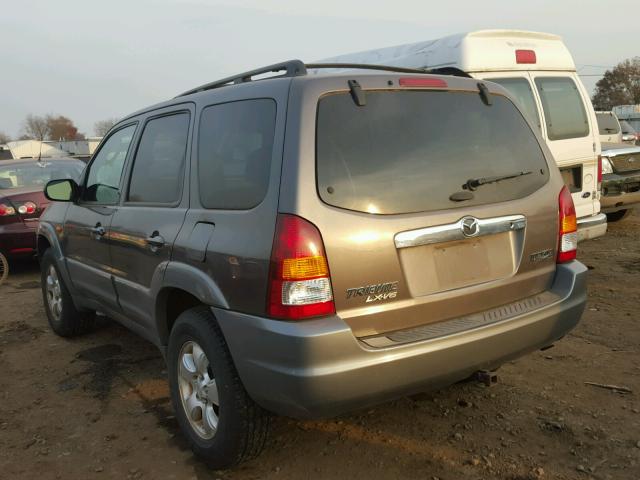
(563, 108)
(235, 146)
(158, 166)
(105, 171)
(520, 89)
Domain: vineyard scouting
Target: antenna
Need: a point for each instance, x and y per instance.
(40, 152)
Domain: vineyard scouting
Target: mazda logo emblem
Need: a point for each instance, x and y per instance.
(470, 227)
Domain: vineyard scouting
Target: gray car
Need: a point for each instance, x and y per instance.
(313, 244)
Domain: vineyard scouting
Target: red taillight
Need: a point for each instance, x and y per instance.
(299, 284)
(567, 227)
(6, 210)
(28, 208)
(599, 169)
(422, 82)
(525, 56)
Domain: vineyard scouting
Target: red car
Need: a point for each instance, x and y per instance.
(22, 200)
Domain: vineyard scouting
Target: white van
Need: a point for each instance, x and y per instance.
(538, 70)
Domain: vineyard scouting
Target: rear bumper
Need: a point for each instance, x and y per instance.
(592, 227)
(620, 192)
(318, 368)
(18, 239)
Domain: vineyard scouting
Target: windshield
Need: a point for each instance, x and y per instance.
(411, 151)
(607, 124)
(34, 174)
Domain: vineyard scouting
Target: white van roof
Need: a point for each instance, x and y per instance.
(479, 51)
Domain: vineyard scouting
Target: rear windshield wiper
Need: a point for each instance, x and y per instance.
(474, 183)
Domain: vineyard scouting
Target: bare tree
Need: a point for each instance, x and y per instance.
(62, 128)
(102, 127)
(36, 127)
(619, 86)
(4, 138)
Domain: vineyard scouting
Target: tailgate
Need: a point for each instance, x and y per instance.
(386, 277)
(421, 224)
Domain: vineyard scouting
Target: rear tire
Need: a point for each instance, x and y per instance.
(65, 320)
(222, 424)
(619, 215)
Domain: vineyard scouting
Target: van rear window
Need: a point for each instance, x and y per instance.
(563, 108)
(410, 151)
(521, 90)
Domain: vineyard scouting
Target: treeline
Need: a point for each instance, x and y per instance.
(618, 86)
(55, 128)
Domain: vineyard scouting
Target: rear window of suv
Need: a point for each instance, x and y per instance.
(408, 152)
(607, 124)
(626, 128)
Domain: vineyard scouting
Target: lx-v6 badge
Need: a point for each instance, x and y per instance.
(541, 255)
(376, 292)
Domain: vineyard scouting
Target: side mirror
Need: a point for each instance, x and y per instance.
(65, 190)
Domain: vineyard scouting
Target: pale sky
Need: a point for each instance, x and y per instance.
(91, 60)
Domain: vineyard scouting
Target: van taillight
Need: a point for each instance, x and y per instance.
(599, 171)
(526, 56)
(299, 281)
(567, 228)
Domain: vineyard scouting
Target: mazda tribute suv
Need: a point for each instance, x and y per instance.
(312, 244)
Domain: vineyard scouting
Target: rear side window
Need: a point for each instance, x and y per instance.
(235, 146)
(563, 108)
(410, 151)
(158, 167)
(607, 124)
(520, 89)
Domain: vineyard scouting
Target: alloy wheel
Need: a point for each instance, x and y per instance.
(198, 390)
(54, 293)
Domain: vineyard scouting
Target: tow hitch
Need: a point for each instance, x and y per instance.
(486, 377)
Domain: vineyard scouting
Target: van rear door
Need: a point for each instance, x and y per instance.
(571, 131)
(573, 146)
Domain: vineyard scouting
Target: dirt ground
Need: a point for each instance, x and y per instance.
(97, 406)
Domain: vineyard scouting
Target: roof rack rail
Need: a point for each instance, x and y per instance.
(296, 68)
(366, 66)
(387, 68)
(292, 68)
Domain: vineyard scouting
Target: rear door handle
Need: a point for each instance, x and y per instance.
(155, 240)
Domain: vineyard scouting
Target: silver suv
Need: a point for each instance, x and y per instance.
(312, 244)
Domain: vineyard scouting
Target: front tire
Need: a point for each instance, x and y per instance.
(65, 320)
(223, 425)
